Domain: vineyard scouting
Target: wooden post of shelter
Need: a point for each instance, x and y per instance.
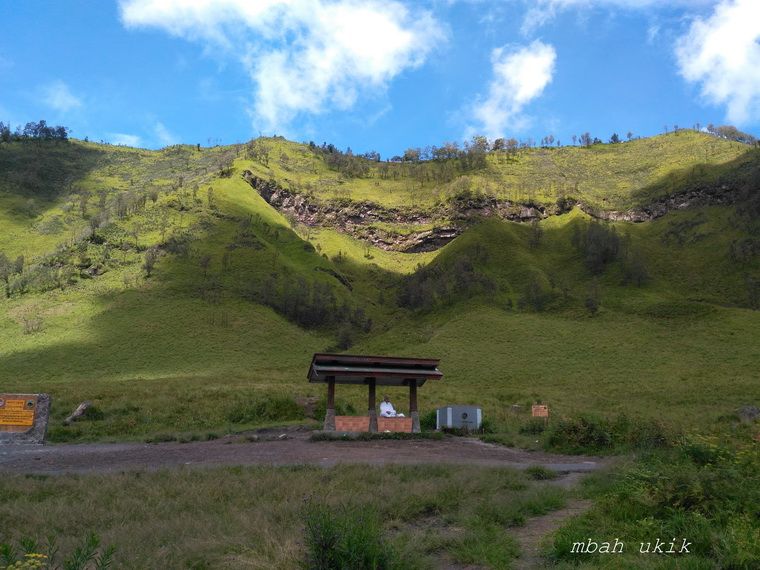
(413, 406)
(329, 424)
(371, 405)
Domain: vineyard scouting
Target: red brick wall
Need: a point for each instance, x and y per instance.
(361, 423)
(394, 424)
(351, 423)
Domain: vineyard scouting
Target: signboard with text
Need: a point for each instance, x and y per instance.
(23, 417)
(17, 412)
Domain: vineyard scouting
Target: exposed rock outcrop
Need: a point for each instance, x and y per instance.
(360, 218)
(414, 242)
(356, 218)
(714, 196)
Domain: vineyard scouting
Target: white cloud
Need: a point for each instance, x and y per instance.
(125, 139)
(303, 56)
(519, 76)
(722, 54)
(652, 32)
(58, 96)
(543, 11)
(163, 135)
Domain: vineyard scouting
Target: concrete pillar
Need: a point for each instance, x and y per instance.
(329, 424)
(415, 415)
(372, 405)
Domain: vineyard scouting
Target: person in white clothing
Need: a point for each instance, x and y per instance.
(387, 410)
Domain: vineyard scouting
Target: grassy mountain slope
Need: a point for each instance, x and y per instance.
(617, 176)
(240, 296)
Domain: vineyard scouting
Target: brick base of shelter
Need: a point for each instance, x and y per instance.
(403, 425)
(361, 424)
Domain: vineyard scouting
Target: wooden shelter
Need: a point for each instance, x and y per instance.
(372, 371)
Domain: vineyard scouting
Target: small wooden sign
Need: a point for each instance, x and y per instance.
(540, 411)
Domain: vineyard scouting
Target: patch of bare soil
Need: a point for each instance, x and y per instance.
(530, 536)
(291, 447)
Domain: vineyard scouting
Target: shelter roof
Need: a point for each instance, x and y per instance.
(384, 370)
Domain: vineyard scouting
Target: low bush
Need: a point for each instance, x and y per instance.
(429, 421)
(265, 408)
(29, 554)
(697, 490)
(93, 413)
(596, 434)
(345, 537)
(540, 473)
(487, 426)
(342, 408)
(533, 426)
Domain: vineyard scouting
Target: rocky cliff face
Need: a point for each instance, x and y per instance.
(721, 195)
(357, 218)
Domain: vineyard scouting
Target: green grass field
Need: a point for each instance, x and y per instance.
(161, 287)
(170, 351)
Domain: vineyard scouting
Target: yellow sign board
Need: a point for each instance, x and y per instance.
(17, 412)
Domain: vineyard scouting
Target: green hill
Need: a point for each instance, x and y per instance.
(161, 286)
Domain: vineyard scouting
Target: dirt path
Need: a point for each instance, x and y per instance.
(285, 449)
(530, 536)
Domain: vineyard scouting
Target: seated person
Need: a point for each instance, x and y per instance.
(387, 410)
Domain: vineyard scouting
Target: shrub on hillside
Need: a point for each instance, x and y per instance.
(307, 303)
(598, 243)
(151, 257)
(345, 337)
(266, 408)
(744, 250)
(341, 409)
(429, 420)
(753, 291)
(535, 296)
(596, 434)
(635, 271)
(533, 426)
(444, 283)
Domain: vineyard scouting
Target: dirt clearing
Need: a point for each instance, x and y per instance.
(288, 448)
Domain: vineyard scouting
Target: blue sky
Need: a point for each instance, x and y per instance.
(377, 75)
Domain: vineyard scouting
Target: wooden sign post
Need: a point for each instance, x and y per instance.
(540, 411)
(23, 417)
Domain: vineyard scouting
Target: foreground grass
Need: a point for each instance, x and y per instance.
(254, 517)
(701, 492)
